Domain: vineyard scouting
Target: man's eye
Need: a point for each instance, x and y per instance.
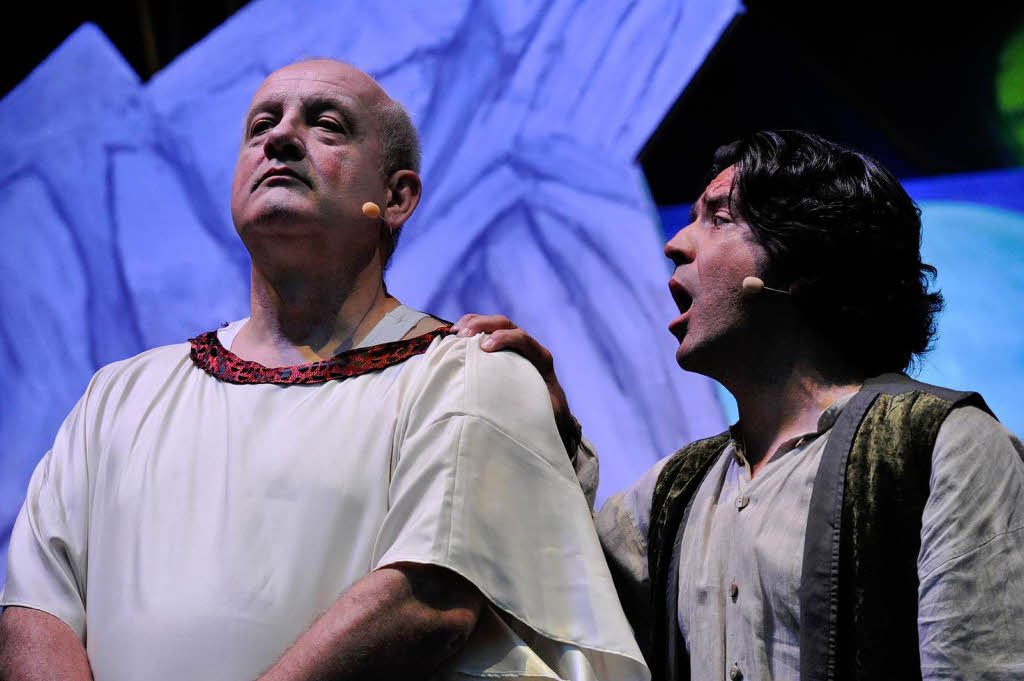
(330, 124)
(718, 220)
(259, 126)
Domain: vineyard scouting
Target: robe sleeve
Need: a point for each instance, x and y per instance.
(482, 486)
(46, 564)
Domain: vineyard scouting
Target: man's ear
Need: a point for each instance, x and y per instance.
(403, 196)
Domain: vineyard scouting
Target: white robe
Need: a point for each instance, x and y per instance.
(187, 527)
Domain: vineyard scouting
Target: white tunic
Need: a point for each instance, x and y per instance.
(186, 527)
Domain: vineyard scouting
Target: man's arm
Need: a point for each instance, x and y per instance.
(399, 622)
(971, 564)
(482, 485)
(42, 628)
(623, 520)
(36, 646)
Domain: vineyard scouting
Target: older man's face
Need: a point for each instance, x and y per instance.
(309, 159)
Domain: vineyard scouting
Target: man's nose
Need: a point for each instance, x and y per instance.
(682, 247)
(284, 142)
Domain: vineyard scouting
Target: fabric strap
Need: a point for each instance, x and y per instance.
(858, 595)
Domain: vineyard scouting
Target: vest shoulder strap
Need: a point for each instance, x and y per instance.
(676, 485)
(858, 596)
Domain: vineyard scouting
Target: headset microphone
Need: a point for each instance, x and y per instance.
(753, 285)
(372, 211)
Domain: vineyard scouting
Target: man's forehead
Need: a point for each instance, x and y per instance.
(717, 192)
(320, 77)
(721, 185)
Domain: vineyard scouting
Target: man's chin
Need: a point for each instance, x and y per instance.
(689, 358)
(282, 237)
(683, 357)
(277, 205)
(277, 221)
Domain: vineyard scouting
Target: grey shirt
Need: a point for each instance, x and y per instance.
(742, 548)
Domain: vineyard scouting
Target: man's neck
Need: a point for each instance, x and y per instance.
(297, 319)
(784, 399)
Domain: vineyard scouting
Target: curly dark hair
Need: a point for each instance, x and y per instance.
(844, 236)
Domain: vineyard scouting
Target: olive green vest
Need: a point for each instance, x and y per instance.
(858, 587)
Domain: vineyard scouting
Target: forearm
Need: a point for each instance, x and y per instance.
(397, 622)
(36, 646)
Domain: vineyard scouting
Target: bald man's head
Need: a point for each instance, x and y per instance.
(322, 138)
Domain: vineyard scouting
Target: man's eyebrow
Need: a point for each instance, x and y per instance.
(321, 103)
(262, 106)
(316, 104)
(713, 203)
(717, 201)
(266, 100)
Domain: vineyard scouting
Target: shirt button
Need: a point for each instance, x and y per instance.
(734, 590)
(742, 501)
(735, 673)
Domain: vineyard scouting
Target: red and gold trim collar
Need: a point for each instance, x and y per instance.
(209, 355)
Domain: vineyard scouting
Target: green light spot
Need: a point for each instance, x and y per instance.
(1010, 92)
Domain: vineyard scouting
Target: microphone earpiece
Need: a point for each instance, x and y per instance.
(753, 286)
(372, 211)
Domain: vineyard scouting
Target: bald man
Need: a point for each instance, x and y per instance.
(333, 487)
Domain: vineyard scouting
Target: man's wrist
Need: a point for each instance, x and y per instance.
(571, 433)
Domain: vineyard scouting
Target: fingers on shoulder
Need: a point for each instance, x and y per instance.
(522, 343)
(463, 321)
(472, 324)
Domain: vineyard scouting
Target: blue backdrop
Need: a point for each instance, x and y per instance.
(114, 199)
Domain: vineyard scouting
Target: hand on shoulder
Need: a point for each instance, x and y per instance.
(505, 335)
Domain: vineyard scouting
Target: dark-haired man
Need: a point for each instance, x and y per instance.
(854, 524)
(312, 492)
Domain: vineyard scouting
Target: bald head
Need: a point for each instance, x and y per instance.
(321, 139)
(330, 72)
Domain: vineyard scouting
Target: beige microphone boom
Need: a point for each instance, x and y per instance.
(753, 285)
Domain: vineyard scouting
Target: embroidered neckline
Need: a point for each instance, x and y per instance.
(209, 355)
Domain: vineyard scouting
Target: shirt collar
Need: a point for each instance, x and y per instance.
(825, 422)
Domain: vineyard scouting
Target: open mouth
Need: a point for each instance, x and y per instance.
(680, 296)
(683, 302)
